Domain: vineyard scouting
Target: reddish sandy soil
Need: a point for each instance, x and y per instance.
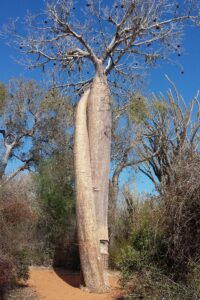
(61, 285)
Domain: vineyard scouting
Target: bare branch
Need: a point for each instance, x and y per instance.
(15, 173)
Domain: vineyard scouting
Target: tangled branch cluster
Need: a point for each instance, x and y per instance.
(181, 204)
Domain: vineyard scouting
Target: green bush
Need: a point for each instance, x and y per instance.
(145, 239)
(128, 261)
(56, 229)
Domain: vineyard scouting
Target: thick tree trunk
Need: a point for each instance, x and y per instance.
(86, 217)
(99, 130)
(92, 161)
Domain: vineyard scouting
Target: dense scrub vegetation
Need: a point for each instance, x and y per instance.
(154, 242)
(154, 238)
(16, 219)
(159, 255)
(56, 227)
(37, 222)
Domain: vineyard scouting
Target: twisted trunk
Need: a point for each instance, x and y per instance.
(99, 130)
(85, 206)
(92, 160)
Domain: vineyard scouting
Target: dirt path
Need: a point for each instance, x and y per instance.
(60, 285)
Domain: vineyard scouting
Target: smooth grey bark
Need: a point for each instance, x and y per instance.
(90, 257)
(99, 130)
(7, 155)
(92, 162)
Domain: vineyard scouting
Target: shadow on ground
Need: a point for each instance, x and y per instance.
(72, 278)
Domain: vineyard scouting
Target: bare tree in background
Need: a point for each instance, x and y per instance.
(94, 48)
(129, 133)
(155, 133)
(33, 125)
(172, 129)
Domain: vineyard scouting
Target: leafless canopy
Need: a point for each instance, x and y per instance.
(152, 134)
(127, 36)
(173, 131)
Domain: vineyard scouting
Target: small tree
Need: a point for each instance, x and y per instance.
(33, 125)
(128, 135)
(56, 228)
(156, 133)
(171, 131)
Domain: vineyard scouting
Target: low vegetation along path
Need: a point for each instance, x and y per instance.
(60, 285)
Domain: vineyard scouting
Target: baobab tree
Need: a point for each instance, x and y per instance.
(93, 49)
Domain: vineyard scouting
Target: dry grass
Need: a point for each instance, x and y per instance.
(23, 293)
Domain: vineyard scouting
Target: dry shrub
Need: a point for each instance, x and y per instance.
(16, 211)
(23, 293)
(16, 219)
(7, 274)
(181, 210)
(162, 249)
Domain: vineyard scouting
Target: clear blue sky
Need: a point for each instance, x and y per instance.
(188, 83)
